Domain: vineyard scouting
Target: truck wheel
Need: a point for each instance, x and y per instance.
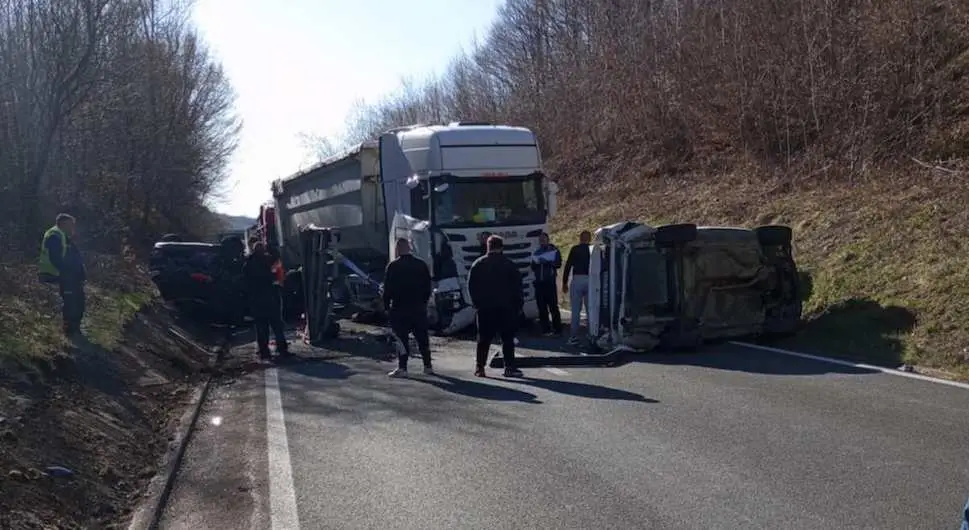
(677, 234)
(774, 235)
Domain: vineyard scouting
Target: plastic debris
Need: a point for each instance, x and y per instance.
(59, 471)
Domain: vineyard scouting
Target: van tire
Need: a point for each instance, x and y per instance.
(774, 235)
(675, 234)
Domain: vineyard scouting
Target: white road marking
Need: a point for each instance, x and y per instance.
(556, 371)
(282, 493)
(881, 369)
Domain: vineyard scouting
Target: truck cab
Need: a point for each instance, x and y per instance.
(446, 186)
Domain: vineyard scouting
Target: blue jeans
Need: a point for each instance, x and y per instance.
(578, 296)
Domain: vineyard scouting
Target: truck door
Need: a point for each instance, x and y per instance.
(394, 171)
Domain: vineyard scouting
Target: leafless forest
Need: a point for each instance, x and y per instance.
(111, 110)
(849, 82)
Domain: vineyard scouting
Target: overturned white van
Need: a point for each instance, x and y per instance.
(681, 285)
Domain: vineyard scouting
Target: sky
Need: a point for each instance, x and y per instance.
(298, 66)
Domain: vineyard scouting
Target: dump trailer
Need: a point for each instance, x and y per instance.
(341, 193)
(443, 187)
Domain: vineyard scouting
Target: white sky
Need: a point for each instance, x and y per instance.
(299, 65)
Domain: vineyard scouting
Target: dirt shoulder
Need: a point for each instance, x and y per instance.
(885, 251)
(84, 424)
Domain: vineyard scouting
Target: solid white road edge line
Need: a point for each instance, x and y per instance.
(282, 493)
(881, 369)
(889, 371)
(556, 371)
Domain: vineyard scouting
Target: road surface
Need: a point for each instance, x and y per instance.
(726, 438)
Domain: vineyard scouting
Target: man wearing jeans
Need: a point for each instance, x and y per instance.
(578, 289)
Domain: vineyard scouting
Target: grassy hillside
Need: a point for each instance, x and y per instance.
(886, 252)
(30, 321)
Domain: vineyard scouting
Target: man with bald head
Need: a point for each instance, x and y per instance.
(407, 288)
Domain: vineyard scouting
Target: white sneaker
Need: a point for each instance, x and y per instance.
(397, 373)
(428, 370)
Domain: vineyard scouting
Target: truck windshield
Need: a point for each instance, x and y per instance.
(489, 201)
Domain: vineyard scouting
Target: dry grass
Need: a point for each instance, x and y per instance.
(30, 322)
(887, 256)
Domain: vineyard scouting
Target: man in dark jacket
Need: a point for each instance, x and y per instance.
(495, 286)
(545, 263)
(407, 288)
(264, 301)
(61, 263)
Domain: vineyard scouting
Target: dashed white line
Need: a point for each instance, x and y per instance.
(883, 370)
(282, 493)
(556, 371)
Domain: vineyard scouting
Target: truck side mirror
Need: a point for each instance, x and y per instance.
(550, 189)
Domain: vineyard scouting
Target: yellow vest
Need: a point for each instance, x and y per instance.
(46, 266)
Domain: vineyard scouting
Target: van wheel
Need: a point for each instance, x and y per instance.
(774, 235)
(676, 234)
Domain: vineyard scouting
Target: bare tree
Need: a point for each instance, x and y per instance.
(114, 110)
(778, 81)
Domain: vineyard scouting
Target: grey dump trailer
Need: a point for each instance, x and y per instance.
(343, 194)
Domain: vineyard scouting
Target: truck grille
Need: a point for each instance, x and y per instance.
(518, 252)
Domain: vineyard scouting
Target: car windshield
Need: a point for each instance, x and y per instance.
(490, 202)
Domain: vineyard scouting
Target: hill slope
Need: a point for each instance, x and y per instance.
(887, 258)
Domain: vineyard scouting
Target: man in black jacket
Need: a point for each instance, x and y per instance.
(407, 288)
(495, 286)
(264, 301)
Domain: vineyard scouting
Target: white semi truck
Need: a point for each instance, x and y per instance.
(440, 186)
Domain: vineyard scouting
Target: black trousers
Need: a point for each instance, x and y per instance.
(404, 322)
(496, 322)
(547, 298)
(267, 312)
(73, 305)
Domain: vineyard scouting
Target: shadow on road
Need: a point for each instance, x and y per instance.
(585, 390)
(318, 368)
(478, 390)
(742, 359)
(860, 329)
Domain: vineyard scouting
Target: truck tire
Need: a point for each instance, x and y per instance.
(676, 234)
(774, 235)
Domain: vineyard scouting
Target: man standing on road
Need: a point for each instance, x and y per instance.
(578, 290)
(407, 288)
(495, 286)
(61, 263)
(545, 263)
(264, 301)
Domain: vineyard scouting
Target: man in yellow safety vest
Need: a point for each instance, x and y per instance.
(61, 264)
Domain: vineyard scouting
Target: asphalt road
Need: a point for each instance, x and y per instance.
(726, 438)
